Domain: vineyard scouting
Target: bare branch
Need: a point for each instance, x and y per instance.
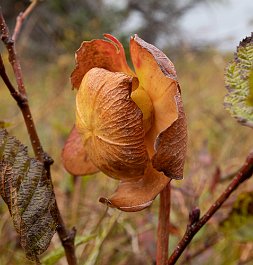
(67, 237)
(193, 227)
(22, 17)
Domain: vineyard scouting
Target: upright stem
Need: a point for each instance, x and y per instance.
(163, 227)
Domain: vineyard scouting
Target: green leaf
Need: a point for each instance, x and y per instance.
(28, 194)
(250, 97)
(239, 83)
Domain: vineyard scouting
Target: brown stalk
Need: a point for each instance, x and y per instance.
(195, 224)
(67, 237)
(162, 244)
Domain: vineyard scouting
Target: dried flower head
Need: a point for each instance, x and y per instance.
(129, 124)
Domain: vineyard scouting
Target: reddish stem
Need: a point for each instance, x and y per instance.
(163, 227)
(196, 224)
(22, 17)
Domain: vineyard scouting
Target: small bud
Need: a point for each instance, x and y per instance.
(194, 215)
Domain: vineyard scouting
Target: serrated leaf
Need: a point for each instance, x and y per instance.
(250, 97)
(238, 80)
(28, 194)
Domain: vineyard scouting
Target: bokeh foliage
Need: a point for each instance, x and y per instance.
(46, 48)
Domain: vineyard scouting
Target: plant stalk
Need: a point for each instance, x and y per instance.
(162, 245)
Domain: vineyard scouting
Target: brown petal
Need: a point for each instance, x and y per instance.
(171, 146)
(74, 156)
(132, 196)
(111, 124)
(166, 141)
(159, 57)
(108, 54)
(157, 76)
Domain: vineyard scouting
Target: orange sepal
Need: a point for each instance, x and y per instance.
(103, 53)
(137, 194)
(74, 156)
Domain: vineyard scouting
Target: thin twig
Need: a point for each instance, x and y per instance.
(194, 226)
(13, 59)
(15, 94)
(22, 17)
(20, 94)
(162, 244)
(67, 237)
(22, 102)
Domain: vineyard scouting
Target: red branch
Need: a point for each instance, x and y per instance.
(22, 17)
(196, 224)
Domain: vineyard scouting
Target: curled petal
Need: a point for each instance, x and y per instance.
(111, 124)
(166, 140)
(171, 146)
(157, 76)
(138, 194)
(164, 63)
(108, 54)
(74, 156)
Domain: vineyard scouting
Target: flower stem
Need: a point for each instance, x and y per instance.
(163, 227)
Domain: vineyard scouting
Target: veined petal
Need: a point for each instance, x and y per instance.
(136, 195)
(111, 124)
(75, 158)
(108, 54)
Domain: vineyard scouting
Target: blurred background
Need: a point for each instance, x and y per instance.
(200, 37)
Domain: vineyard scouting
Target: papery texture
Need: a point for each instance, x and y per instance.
(171, 146)
(75, 157)
(161, 88)
(136, 195)
(108, 54)
(111, 124)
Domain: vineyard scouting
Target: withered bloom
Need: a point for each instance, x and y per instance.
(129, 124)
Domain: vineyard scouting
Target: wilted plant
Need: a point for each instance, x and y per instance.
(132, 124)
(129, 125)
